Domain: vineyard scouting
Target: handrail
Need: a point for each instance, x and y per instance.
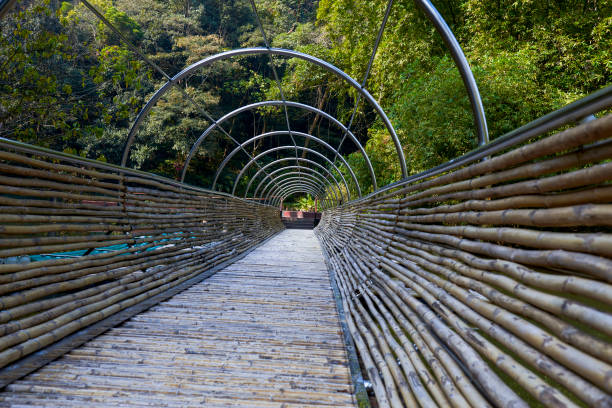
(571, 113)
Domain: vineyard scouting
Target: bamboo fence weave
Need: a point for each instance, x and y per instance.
(81, 241)
(490, 285)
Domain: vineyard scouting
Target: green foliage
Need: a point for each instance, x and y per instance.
(528, 59)
(303, 203)
(123, 23)
(67, 81)
(57, 91)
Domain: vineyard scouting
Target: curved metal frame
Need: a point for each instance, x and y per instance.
(309, 176)
(291, 190)
(480, 120)
(269, 51)
(299, 172)
(273, 192)
(320, 189)
(427, 7)
(297, 105)
(275, 149)
(283, 193)
(307, 161)
(279, 133)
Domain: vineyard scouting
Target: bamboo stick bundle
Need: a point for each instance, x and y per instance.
(569, 139)
(412, 367)
(149, 235)
(396, 259)
(499, 272)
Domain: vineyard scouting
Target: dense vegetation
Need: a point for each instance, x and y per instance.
(67, 81)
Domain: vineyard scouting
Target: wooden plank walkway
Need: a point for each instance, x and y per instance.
(264, 332)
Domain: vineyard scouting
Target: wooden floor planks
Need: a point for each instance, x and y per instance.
(264, 332)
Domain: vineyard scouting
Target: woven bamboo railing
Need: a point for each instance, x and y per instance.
(162, 234)
(490, 285)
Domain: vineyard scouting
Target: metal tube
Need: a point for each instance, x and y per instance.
(292, 180)
(369, 67)
(246, 166)
(276, 78)
(275, 51)
(294, 167)
(274, 191)
(480, 120)
(293, 190)
(292, 104)
(289, 192)
(326, 170)
(315, 176)
(284, 132)
(276, 200)
(135, 49)
(323, 182)
(570, 113)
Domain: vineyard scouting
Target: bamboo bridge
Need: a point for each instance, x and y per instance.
(483, 282)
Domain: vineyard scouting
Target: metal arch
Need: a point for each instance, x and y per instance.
(276, 77)
(323, 190)
(292, 104)
(275, 200)
(270, 51)
(278, 133)
(135, 49)
(290, 190)
(323, 182)
(279, 200)
(320, 189)
(306, 161)
(320, 194)
(300, 168)
(275, 149)
(480, 120)
(337, 196)
(306, 180)
(331, 192)
(369, 67)
(316, 176)
(299, 172)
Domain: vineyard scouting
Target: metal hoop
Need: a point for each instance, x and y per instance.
(299, 172)
(269, 51)
(314, 163)
(323, 181)
(275, 149)
(298, 105)
(278, 133)
(320, 189)
(304, 182)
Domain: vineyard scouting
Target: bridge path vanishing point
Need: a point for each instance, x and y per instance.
(263, 332)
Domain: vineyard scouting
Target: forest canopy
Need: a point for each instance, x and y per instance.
(69, 83)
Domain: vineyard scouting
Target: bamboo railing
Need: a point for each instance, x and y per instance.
(81, 241)
(490, 285)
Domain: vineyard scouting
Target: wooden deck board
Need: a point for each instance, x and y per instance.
(263, 332)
